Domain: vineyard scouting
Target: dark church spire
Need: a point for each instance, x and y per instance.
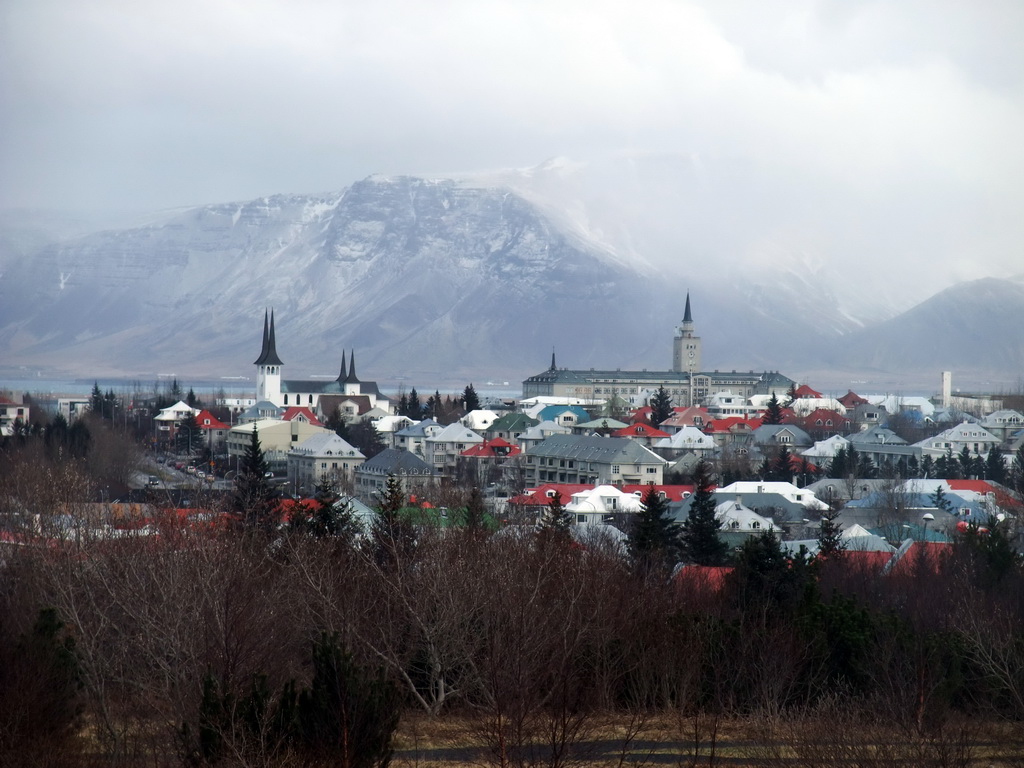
(343, 375)
(351, 378)
(268, 354)
(553, 367)
(687, 317)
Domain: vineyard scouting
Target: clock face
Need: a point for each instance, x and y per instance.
(691, 354)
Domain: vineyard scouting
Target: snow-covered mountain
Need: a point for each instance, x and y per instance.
(449, 280)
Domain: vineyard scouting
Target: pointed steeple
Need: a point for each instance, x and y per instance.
(343, 375)
(687, 317)
(266, 337)
(268, 356)
(351, 378)
(553, 366)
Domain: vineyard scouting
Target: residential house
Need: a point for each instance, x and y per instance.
(509, 427)
(277, 437)
(539, 433)
(772, 437)
(491, 462)
(215, 432)
(1003, 424)
(644, 434)
(12, 412)
(411, 438)
(443, 449)
(685, 440)
(479, 420)
(320, 458)
(410, 470)
(582, 459)
(595, 505)
(823, 423)
(169, 418)
(563, 415)
(694, 416)
(973, 437)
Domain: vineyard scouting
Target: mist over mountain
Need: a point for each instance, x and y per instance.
(473, 278)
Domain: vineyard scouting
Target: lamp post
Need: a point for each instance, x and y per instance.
(927, 517)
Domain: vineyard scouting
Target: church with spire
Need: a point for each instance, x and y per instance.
(347, 391)
(685, 382)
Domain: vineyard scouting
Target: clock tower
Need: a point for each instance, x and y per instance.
(685, 345)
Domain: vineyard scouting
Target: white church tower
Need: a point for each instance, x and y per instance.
(685, 345)
(268, 366)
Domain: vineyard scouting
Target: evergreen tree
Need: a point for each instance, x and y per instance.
(839, 466)
(701, 543)
(393, 536)
(654, 538)
(403, 405)
(109, 404)
(1017, 471)
(475, 511)
(327, 516)
(766, 578)
(556, 522)
(336, 422)
(191, 399)
(790, 396)
(865, 466)
(927, 468)
(347, 717)
(782, 466)
(830, 540)
(995, 465)
(470, 401)
(966, 462)
(96, 399)
(939, 500)
(175, 391)
(364, 436)
(253, 502)
(415, 408)
(661, 406)
(773, 414)
(913, 468)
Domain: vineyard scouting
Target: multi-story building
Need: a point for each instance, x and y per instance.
(591, 460)
(685, 383)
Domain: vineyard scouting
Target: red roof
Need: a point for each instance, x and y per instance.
(921, 555)
(301, 410)
(207, 420)
(702, 576)
(724, 425)
(852, 399)
(639, 430)
(805, 391)
(491, 448)
(641, 414)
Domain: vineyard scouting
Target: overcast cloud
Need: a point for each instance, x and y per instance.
(888, 107)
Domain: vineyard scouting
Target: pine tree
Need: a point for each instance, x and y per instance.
(927, 468)
(327, 516)
(556, 522)
(700, 540)
(470, 400)
(966, 462)
(475, 511)
(661, 406)
(191, 399)
(1016, 478)
(253, 502)
(654, 540)
(96, 399)
(939, 500)
(790, 396)
(364, 436)
(393, 536)
(830, 540)
(403, 405)
(415, 408)
(773, 414)
(782, 466)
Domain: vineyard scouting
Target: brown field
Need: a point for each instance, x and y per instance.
(665, 740)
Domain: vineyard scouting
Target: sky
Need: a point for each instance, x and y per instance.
(908, 111)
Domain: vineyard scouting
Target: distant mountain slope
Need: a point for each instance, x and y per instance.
(973, 326)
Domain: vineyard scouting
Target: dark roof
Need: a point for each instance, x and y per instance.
(352, 379)
(687, 317)
(268, 354)
(344, 374)
(393, 461)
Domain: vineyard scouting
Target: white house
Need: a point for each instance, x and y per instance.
(594, 504)
(973, 437)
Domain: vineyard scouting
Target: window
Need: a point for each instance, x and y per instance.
(615, 469)
(755, 525)
(652, 470)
